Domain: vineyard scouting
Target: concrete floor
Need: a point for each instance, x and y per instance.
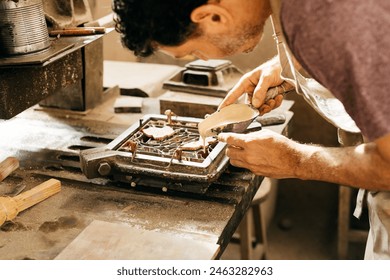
(304, 225)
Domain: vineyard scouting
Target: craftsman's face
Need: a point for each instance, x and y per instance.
(241, 36)
(207, 47)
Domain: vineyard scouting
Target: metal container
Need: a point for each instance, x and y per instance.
(23, 29)
(214, 77)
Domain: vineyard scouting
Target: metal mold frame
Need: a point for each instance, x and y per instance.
(153, 171)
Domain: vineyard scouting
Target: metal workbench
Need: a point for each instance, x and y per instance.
(193, 226)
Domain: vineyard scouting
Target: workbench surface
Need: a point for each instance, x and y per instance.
(165, 225)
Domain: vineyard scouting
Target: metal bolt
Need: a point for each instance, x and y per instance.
(133, 184)
(164, 189)
(104, 168)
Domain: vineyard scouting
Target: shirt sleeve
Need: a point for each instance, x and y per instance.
(345, 46)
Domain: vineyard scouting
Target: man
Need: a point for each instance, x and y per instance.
(344, 45)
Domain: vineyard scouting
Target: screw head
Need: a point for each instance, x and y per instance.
(104, 168)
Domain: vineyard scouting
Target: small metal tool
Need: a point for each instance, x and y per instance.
(224, 124)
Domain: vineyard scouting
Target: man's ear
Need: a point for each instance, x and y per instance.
(211, 15)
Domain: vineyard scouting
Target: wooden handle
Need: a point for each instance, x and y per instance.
(7, 166)
(72, 32)
(97, 29)
(37, 194)
(78, 31)
(280, 89)
(11, 206)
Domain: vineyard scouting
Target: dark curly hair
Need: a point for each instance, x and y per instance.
(142, 23)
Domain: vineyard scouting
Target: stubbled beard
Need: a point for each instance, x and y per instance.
(230, 45)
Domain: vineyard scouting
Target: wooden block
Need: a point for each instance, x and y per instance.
(188, 105)
(7, 166)
(128, 104)
(109, 241)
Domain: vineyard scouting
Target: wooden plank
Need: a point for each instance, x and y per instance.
(112, 241)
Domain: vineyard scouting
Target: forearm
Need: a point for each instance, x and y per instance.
(360, 166)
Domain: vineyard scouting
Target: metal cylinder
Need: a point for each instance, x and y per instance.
(23, 29)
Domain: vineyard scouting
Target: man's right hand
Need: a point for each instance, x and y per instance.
(255, 84)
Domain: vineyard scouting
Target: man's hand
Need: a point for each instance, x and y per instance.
(255, 84)
(270, 154)
(264, 152)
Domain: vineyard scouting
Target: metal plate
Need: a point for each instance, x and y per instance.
(38, 58)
